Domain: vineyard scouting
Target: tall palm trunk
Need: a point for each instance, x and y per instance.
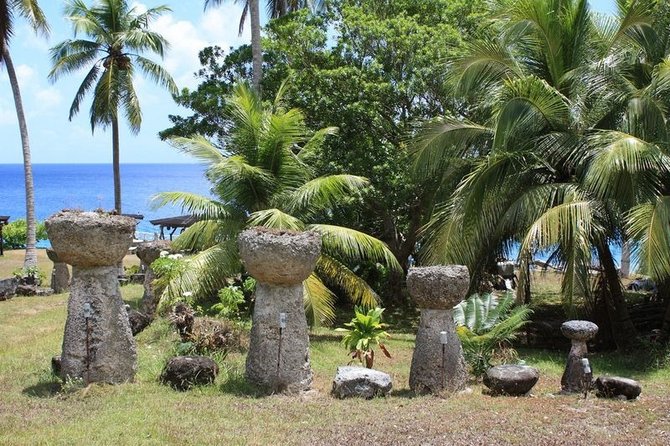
(31, 239)
(116, 164)
(623, 330)
(256, 50)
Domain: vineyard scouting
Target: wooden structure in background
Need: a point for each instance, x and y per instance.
(173, 223)
(4, 219)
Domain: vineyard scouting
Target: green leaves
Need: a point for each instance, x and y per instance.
(364, 330)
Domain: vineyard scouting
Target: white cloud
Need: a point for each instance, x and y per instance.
(25, 74)
(48, 97)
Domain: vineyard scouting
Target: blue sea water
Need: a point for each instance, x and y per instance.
(90, 186)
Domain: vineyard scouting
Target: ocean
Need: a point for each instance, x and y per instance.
(90, 186)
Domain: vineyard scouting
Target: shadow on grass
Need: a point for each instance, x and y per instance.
(43, 389)
(236, 385)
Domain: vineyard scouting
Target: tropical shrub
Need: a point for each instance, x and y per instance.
(230, 299)
(363, 330)
(486, 325)
(14, 234)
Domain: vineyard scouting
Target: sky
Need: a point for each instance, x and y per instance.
(55, 139)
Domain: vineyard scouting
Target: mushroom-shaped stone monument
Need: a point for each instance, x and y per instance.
(437, 363)
(98, 345)
(149, 252)
(575, 379)
(60, 276)
(278, 358)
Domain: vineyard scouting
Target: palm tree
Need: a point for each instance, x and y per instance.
(261, 177)
(33, 13)
(119, 35)
(276, 8)
(546, 171)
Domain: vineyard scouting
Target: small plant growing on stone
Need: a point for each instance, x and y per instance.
(364, 330)
(486, 325)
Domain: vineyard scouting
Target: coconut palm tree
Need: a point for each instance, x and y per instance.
(547, 169)
(261, 177)
(276, 8)
(31, 11)
(118, 38)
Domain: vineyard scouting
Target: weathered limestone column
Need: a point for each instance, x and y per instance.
(60, 276)
(97, 345)
(149, 252)
(278, 358)
(437, 363)
(574, 379)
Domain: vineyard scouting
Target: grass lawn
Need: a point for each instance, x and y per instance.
(35, 410)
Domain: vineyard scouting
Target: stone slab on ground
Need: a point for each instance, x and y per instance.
(509, 379)
(616, 386)
(361, 382)
(184, 372)
(8, 288)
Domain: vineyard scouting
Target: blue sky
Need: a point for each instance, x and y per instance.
(54, 139)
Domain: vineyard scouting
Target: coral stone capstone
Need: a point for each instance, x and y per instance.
(90, 239)
(279, 257)
(579, 330)
(438, 287)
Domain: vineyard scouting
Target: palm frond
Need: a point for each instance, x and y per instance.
(319, 302)
(276, 219)
(325, 192)
(356, 289)
(647, 224)
(347, 243)
(201, 207)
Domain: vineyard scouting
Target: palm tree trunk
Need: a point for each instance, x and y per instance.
(116, 164)
(30, 259)
(623, 330)
(256, 50)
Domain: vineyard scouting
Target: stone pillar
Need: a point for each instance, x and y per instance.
(278, 358)
(149, 252)
(98, 345)
(60, 276)
(437, 363)
(574, 380)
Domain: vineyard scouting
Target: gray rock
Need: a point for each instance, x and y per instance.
(615, 386)
(98, 345)
(575, 379)
(149, 252)
(438, 287)
(90, 238)
(8, 288)
(579, 330)
(184, 372)
(278, 358)
(60, 275)
(361, 382)
(510, 379)
(505, 269)
(138, 321)
(437, 366)
(279, 257)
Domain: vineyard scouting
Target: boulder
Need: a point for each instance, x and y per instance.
(184, 372)
(360, 382)
(138, 321)
(615, 386)
(8, 288)
(510, 379)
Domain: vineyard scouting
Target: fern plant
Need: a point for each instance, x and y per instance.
(364, 330)
(486, 325)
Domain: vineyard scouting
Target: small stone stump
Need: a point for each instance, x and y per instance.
(437, 363)
(617, 387)
(148, 253)
(98, 345)
(361, 382)
(60, 275)
(574, 379)
(184, 372)
(278, 358)
(509, 379)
